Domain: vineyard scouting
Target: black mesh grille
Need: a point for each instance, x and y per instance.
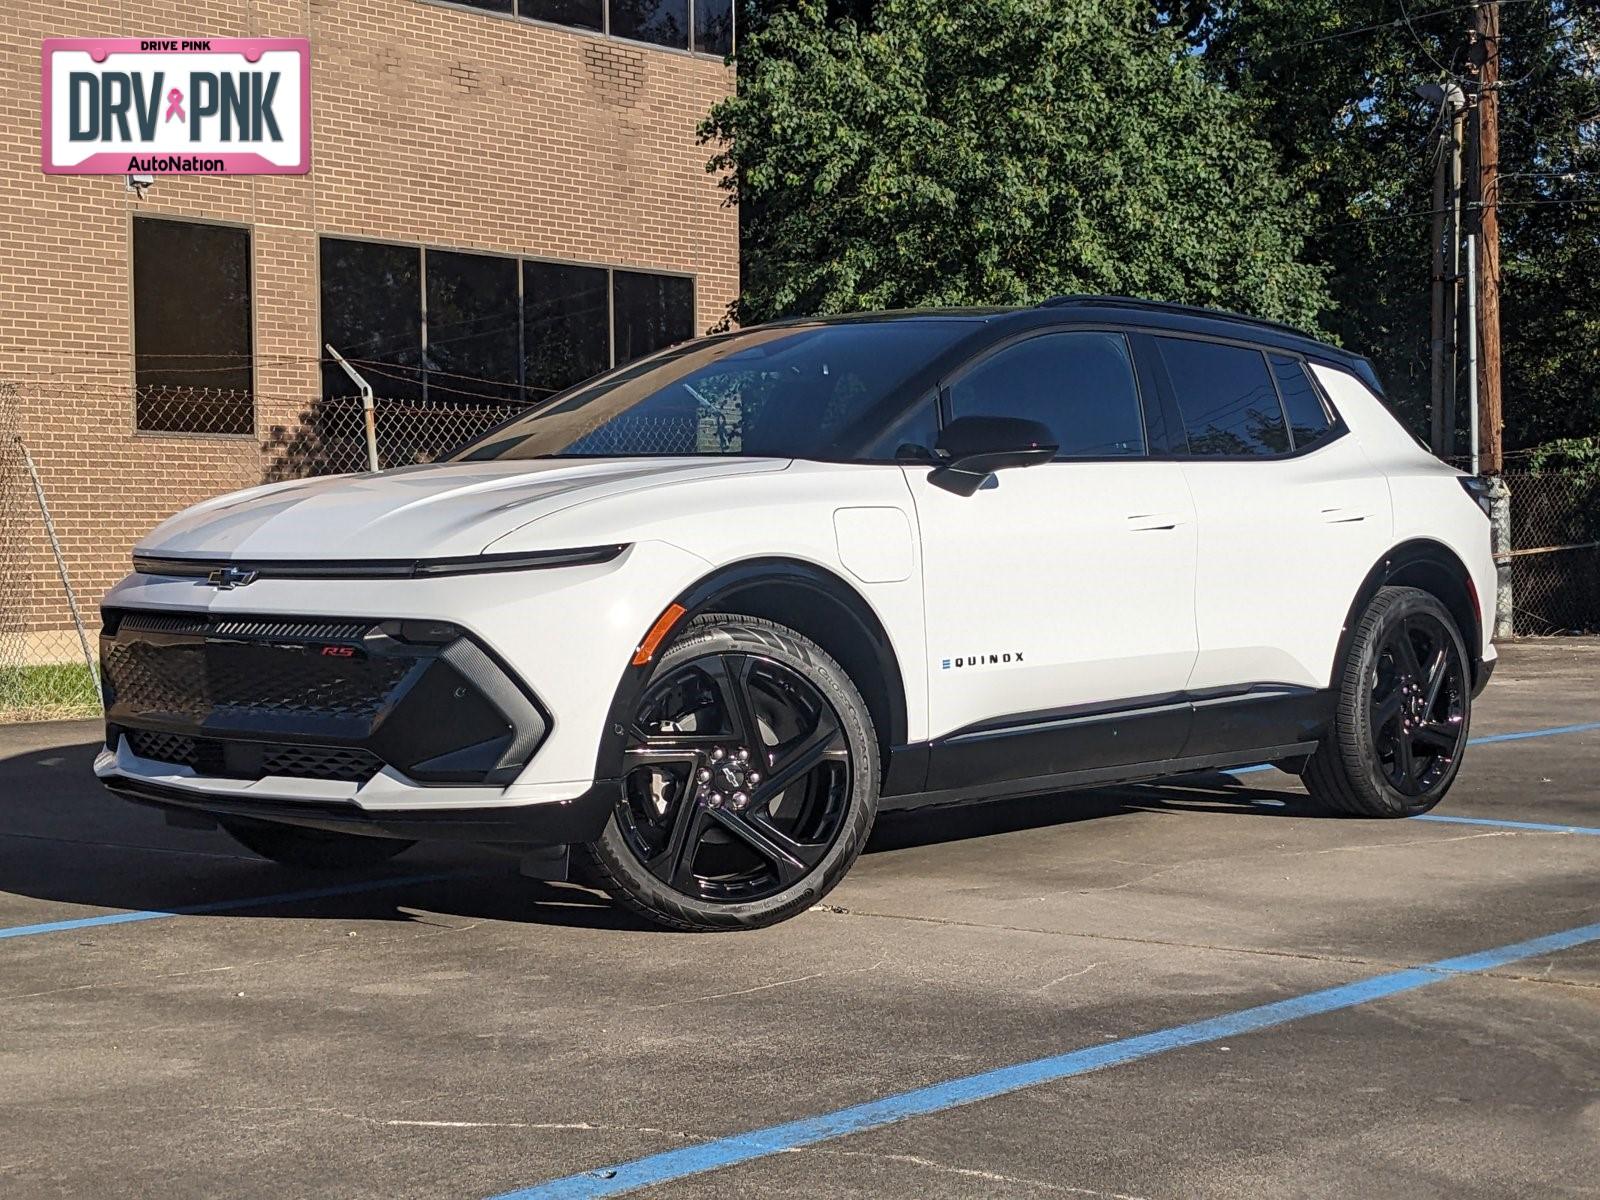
(195, 679)
(254, 760)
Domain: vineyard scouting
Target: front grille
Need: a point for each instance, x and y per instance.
(196, 678)
(254, 760)
(248, 696)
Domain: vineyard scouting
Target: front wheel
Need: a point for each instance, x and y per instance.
(1404, 704)
(749, 781)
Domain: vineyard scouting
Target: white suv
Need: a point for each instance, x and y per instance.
(691, 625)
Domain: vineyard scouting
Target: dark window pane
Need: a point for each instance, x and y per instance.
(191, 327)
(473, 342)
(1308, 420)
(713, 26)
(664, 22)
(1081, 385)
(566, 336)
(372, 314)
(583, 13)
(499, 6)
(1228, 403)
(652, 312)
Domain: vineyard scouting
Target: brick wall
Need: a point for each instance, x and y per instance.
(430, 125)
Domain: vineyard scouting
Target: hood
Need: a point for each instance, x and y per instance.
(431, 511)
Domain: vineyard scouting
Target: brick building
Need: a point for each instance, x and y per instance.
(504, 196)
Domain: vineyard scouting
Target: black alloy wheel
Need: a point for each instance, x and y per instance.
(1419, 703)
(749, 776)
(1404, 707)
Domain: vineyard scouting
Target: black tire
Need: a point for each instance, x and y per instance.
(1403, 711)
(313, 849)
(673, 808)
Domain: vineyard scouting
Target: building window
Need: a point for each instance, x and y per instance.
(704, 26)
(192, 350)
(652, 312)
(453, 327)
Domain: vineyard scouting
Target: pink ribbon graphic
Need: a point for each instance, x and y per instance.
(175, 106)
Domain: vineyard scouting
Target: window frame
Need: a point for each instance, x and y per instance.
(134, 429)
(454, 395)
(605, 27)
(1141, 393)
(1173, 415)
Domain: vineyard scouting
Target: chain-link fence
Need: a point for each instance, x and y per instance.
(44, 672)
(1555, 556)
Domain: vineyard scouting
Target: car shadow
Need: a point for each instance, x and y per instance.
(66, 841)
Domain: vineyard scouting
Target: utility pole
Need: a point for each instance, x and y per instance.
(1485, 67)
(1445, 269)
(1486, 56)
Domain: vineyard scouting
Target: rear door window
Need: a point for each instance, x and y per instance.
(1226, 395)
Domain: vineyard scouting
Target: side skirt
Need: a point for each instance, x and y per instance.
(1036, 753)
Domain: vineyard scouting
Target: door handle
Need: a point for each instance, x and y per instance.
(1156, 521)
(1344, 516)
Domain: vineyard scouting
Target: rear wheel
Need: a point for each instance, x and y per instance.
(1403, 711)
(313, 849)
(749, 781)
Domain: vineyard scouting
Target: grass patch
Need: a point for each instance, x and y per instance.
(47, 692)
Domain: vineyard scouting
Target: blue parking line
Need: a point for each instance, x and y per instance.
(1487, 739)
(217, 906)
(875, 1114)
(1529, 826)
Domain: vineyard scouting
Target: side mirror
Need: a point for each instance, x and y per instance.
(973, 448)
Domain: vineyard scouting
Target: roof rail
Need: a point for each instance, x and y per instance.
(1093, 301)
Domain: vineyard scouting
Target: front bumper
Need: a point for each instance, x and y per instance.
(549, 649)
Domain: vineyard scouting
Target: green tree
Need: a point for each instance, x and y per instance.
(914, 152)
(1332, 85)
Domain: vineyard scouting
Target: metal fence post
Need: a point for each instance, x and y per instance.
(61, 562)
(1500, 543)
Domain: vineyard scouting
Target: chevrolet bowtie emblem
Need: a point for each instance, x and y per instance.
(228, 578)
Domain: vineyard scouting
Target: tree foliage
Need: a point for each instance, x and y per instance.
(915, 152)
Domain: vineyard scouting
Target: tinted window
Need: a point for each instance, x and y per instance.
(1081, 385)
(713, 26)
(583, 13)
(473, 340)
(191, 328)
(652, 312)
(1308, 419)
(372, 315)
(1226, 396)
(664, 22)
(806, 391)
(565, 326)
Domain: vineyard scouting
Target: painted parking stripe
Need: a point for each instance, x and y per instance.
(875, 1114)
(1487, 739)
(1529, 826)
(217, 906)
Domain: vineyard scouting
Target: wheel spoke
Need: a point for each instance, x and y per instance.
(664, 749)
(1436, 677)
(1405, 651)
(788, 858)
(674, 866)
(1441, 735)
(801, 755)
(731, 675)
(1386, 710)
(1405, 763)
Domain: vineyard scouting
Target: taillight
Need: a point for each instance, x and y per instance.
(1478, 489)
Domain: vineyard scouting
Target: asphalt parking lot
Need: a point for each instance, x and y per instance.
(1195, 989)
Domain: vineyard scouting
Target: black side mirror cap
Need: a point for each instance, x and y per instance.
(973, 448)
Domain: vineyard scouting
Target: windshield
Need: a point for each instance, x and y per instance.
(795, 391)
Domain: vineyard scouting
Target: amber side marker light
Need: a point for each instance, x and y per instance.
(652, 640)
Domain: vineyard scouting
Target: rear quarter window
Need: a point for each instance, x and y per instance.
(1309, 422)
